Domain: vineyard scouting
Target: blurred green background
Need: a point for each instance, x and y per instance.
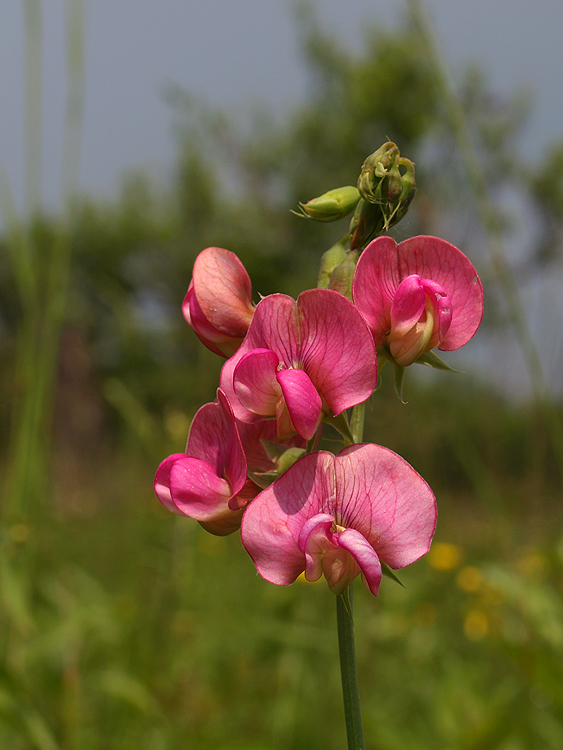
(123, 626)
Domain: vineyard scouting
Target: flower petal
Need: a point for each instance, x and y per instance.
(408, 304)
(380, 495)
(218, 342)
(442, 310)
(378, 508)
(364, 555)
(162, 482)
(382, 267)
(275, 326)
(436, 259)
(254, 381)
(273, 521)
(303, 402)
(375, 282)
(313, 541)
(223, 291)
(336, 349)
(197, 491)
(215, 440)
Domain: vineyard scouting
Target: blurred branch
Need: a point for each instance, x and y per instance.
(42, 278)
(488, 216)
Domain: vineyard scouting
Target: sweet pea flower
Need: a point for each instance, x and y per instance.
(300, 360)
(417, 295)
(209, 481)
(218, 304)
(340, 516)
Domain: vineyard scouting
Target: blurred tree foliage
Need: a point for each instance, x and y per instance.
(233, 186)
(124, 626)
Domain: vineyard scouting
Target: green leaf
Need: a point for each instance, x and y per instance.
(264, 478)
(273, 450)
(386, 571)
(340, 423)
(399, 379)
(431, 359)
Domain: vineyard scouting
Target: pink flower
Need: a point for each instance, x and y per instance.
(218, 305)
(208, 482)
(420, 294)
(299, 360)
(340, 515)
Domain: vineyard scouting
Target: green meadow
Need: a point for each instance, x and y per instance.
(123, 626)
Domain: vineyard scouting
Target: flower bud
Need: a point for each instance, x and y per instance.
(331, 206)
(218, 304)
(342, 276)
(330, 259)
(375, 169)
(386, 182)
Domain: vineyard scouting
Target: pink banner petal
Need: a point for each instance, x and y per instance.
(337, 350)
(322, 334)
(387, 501)
(436, 259)
(344, 514)
(218, 342)
(272, 522)
(275, 326)
(376, 279)
(214, 439)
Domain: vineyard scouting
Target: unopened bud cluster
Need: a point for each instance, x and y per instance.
(386, 187)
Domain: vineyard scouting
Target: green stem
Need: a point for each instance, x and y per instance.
(357, 422)
(345, 625)
(349, 671)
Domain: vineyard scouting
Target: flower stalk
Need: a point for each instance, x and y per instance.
(349, 671)
(346, 638)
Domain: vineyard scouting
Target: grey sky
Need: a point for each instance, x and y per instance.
(234, 53)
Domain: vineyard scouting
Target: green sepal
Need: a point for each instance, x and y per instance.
(288, 458)
(340, 423)
(386, 571)
(332, 258)
(263, 478)
(431, 359)
(382, 359)
(399, 379)
(282, 457)
(273, 450)
(341, 277)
